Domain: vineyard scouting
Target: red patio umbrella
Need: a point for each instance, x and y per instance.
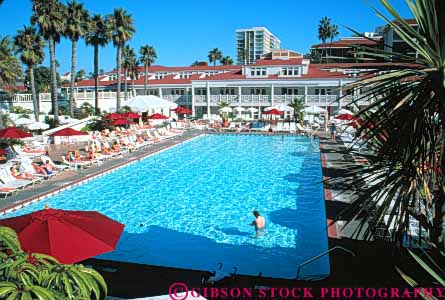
(176, 109)
(345, 117)
(183, 111)
(121, 122)
(3, 152)
(69, 236)
(68, 132)
(131, 115)
(273, 112)
(14, 133)
(158, 117)
(114, 116)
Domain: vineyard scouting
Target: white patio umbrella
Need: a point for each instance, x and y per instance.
(38, 126)
(145, 102)
(22, 121)
(225, 109)
(239, 109)
(344, 111)
(314, 110)
(280, 107)
(252, 110)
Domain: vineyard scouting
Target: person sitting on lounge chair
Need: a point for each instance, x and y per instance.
(105, 150)
(116, 147)
(40, 170)
(29, 150)
(16, 174)
(49, 167)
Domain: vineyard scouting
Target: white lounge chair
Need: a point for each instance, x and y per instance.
(76, 164)
(59, 167)
(11, 181)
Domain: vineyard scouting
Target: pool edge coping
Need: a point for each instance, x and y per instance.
(41, 196)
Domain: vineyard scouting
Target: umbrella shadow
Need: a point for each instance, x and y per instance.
(233, 231)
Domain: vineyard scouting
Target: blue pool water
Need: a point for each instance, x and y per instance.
(191, 206)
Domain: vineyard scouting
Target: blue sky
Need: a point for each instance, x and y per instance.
(184, 31)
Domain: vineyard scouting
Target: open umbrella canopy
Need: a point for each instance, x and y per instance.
(121, 122)
(176, 109)
(225, 109)
(252, 109)
(280, 107)
(69, 236)
(239, 109)
(14, 133)
(345, 117)
(114, 116)
(158, 117)
(273, 112)
(38, 126)
(344, 111)
(146, 102)
(131, 115)
(184, 111)
(68, 132)
(314, 110)
(23, 121)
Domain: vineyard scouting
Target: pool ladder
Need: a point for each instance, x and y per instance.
(315, 277)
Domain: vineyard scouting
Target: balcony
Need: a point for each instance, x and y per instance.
(265, 100)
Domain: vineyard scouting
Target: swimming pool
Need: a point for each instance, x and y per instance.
(191, 205)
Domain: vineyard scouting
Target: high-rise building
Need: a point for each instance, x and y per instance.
(253, 42)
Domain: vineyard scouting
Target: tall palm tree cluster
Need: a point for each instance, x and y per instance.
(327, 31)
(51, 20)
(216, 55)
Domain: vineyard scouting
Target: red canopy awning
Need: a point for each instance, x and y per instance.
(345, 117)
(158, 117)
(273, 112)
(69, 236)
(131, 115)
(121, 122)
(114, 116)
(14, 133)
(68, 132)
(3, 152)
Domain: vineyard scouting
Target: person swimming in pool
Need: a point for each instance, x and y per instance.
(259, 223)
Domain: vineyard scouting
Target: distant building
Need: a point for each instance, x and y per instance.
(281, 54)
(344, 50)
(393, 42)
(252, 43)
(66, 76)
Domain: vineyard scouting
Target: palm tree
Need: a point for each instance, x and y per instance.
(148, 56)
(123, 30)
(298, 106)
(48, 16)
(99, 34)
(324, 33)
(30, 46)
(214, 56)
(9, 65)
(133, 71)
(129, 60)
(76, 27)
(39, 276)
(227, 61)
(333, 33)
(404, 127)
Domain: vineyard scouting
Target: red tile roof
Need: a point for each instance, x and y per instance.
(347, 43)
(13, 88)
(190, 68)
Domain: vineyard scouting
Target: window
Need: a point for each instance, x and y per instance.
(258, 72)
(317, 91)
(252, 72)
(289, 71)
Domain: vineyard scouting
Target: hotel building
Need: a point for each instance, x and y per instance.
(252, 43)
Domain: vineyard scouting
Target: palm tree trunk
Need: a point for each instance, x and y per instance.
(118, 61)
(73, 76)
(330, 49)
(52, 59)
(125, 84)
(35, 102)
(145, 79)
(96, 79)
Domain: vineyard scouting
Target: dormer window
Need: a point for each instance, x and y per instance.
(290, 71)
(258, 72)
